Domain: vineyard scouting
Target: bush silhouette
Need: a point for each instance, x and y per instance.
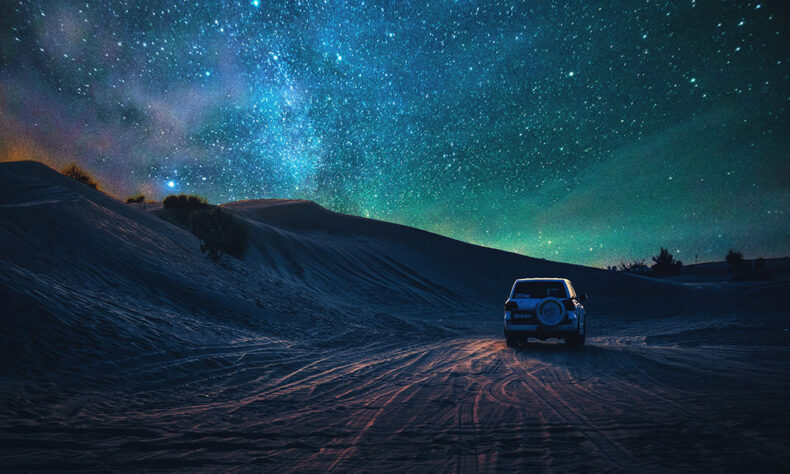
(665, 263)
(634, 266)
(219, 231)
(759, 272)
(745, 271)
(74, 171)
(135, 199)
(736, 263)
(184, 201)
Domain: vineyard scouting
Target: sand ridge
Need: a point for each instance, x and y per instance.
(342, 343)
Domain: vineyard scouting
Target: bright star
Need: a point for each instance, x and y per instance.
(256, 3)
(171, 184)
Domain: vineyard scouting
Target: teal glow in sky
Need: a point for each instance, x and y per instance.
(574, 131)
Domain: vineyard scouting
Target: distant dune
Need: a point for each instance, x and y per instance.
(777, 268)
(71, 252)
(124, 346)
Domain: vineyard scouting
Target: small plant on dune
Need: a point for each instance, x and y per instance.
(736, 263)
(184, 201)
(665, 264)
(219, 231)
(181, 206)
(634, 266)
(74, 171)
(136, 199)
(744, 270)
(760, 272)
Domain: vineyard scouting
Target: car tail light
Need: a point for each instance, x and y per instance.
(569, 304)
(511, 306)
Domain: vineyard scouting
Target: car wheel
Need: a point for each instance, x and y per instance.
(510, 340)
(577, 339)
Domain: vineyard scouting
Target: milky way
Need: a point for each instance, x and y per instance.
(587, 132)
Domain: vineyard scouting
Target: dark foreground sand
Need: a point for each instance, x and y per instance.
(454, 405)
(353, 345)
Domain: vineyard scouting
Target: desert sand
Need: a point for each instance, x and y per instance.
(348, 344)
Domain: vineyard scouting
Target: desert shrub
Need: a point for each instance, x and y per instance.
(665, 264)
(74, 171)
(736, 262)
(220, 232)
(180, 207)
(633, 266)
(184, 201)
(136, 199)
(745, 271)
(760, 272)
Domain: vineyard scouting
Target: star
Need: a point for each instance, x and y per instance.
(448, 117)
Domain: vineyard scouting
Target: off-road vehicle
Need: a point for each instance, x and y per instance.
(544, 308)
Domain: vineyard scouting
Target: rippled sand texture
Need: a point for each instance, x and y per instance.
(347, 344)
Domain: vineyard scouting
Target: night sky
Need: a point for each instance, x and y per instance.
(586, 132)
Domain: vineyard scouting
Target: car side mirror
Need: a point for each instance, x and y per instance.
(583, 297)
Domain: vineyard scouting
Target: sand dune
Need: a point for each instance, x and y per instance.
(343, 343)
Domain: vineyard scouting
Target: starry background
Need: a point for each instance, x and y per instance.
(587, 132)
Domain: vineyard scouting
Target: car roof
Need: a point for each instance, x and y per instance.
(544, 279)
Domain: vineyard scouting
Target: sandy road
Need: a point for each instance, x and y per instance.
(476, 405)
(470, 405)
(127, 349)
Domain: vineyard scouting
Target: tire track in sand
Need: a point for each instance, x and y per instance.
(604, 444)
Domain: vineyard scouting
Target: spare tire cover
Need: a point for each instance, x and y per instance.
(550, 311)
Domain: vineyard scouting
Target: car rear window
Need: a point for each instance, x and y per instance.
(539, 289)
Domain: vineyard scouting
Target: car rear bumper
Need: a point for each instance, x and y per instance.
(540, 332)
(532, 328)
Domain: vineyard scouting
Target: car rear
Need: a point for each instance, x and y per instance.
(541, 308)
